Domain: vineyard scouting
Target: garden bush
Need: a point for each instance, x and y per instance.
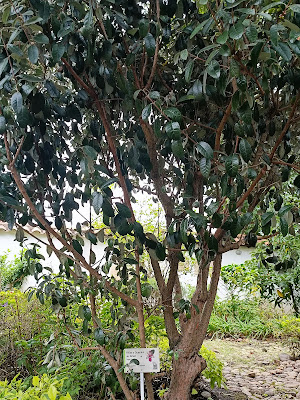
(44, 388)
(20, 321)
(251, 317)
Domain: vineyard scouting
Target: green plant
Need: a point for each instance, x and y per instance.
(194, 104)
(23, 328)
(244, 317)
(12, 272)
(273, 272)
(213, 371)
(161, 392)
(44, 388)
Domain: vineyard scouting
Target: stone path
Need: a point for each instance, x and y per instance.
(282, 381)
(259, 369)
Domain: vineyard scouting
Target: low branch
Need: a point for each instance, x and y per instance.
(51, 231)
(286, 126)
(158, 275)
(112, 362)
(220, 129)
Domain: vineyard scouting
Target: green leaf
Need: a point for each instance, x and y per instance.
(146, 290)
(33, 20)
(146, 112)
(252, 34)
(196, 90)
(177, 149)
(173, 130)
(274, 34)
(6, 14)
(297, 181)
(17, 102)
(52, 392)
(197, 29)
(266, 218)
(284, 209)
(284, 227)
(92, 237)
(236, 31)
(160, 252)
(33, 54)
(77, 246)
(123, 210)
(184, 54)
(87, 313)
(205, 167)
(107, 208)
(271, 5)
(154, 95)
(24, 117)
(295, 8)
(255, 53)
(2, 124)
(90, 152)
(189, 70)
(10, 218)
(284, 51)
(173, 113)
(108, 183)
(213, 69)
(150, 44)
(223, 37)
(143, 28)
(245, 150)
(58, 50)
(235, 105)
(232, 165)
(3, 65)
(35, 381)
(41, 38)
(234, 68)
(246, 219)
(205, 150)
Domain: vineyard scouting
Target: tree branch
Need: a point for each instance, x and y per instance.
(153, 70)
(220, 129)
(47, 227)
(286, 126)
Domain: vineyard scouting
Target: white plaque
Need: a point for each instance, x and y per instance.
(141, 360)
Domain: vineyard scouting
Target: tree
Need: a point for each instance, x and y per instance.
(196, 104)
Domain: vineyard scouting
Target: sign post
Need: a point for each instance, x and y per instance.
(141, 360)
(142, 387)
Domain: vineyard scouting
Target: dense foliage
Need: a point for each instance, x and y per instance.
(274, 270)
(13, 271)
(194, 103)
(44, 388)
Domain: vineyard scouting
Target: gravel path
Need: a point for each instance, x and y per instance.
(259, 369)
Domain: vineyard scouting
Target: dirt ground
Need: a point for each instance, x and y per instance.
(258, 368)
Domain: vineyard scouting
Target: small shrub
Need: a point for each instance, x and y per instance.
(12, 272)
(43, 388)
(213, 371)
(288, 330)
(20, 321)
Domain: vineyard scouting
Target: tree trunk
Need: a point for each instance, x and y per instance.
(185, 370)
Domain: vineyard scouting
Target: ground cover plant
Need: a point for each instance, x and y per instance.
(41, 389)
(194, 103)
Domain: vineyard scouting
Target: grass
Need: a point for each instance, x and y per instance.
(250, 318)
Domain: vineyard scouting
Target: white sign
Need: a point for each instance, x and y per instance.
(141, 360)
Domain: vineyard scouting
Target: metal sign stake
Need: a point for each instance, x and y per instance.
(142, 385)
